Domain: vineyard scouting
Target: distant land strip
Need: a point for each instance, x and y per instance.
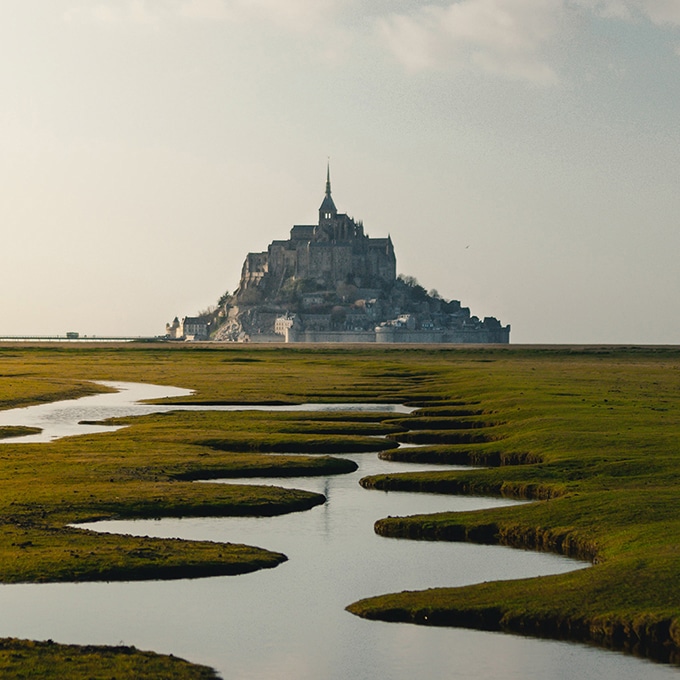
(84, 338)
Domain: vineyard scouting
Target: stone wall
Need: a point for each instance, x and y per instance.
(459, 336)
(329, 336)
(390, 334)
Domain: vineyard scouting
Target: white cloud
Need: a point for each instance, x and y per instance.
(660, 12)
(204, 9)
(141, 12)
(515, 39)
(607, 9)
(296, 15)
(497, 36)
(301, 15)
(512, 38)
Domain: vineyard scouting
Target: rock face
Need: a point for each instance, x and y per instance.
(331, 282)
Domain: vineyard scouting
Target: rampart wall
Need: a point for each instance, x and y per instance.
(388, 334)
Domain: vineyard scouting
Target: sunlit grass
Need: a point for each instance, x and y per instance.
(51, 661)
(591, 434)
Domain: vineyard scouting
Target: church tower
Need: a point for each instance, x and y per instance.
(327, 211)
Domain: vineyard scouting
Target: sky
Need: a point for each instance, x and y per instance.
(523, 155)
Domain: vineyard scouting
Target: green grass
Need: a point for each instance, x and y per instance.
(17, 431)
(24, 659)
(19, 387)
(147, 469)
(593, 437)
(143, 471)
(590, 434)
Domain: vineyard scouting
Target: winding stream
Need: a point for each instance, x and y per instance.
(289, 622)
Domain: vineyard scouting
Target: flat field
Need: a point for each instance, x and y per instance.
(590, 434)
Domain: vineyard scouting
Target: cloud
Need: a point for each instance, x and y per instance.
(497, 36)
(295, 15)
(211, 10)
(303, 15)
(660, 12)
(514, 39)
(607, 9)
(140, 12)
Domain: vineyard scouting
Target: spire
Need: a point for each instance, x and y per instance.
(327, 211)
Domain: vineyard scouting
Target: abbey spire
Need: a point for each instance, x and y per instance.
(327, 211)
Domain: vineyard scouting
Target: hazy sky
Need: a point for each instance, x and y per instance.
(524, 155)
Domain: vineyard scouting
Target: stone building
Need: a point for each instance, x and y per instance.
(189, 328)
(331, 282)
(334, 251)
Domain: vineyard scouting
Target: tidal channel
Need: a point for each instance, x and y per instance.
(290, 622)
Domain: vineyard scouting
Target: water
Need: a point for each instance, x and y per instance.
(72, 417)
(289, 622)
(65, 418)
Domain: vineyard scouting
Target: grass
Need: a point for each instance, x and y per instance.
(17, 431)
(590, 434)
(144, 471)
(593, 438)
(50, 661)
(20, 388)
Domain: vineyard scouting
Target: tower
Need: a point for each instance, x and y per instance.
(327, 211)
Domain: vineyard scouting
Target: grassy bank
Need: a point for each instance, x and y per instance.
(18, 431)
(51, 661)
(592, 436)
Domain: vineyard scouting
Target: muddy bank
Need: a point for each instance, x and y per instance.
(447, 455)
(426, 483)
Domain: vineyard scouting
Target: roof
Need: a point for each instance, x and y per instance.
(327, 205)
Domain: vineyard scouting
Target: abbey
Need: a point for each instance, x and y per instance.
(335, 250)
(331, 282)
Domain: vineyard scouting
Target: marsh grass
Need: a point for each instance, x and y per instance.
(17, 431)
(145, 469)
(593, 437)
(51, 661)
(591, 434)
(20, 388)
